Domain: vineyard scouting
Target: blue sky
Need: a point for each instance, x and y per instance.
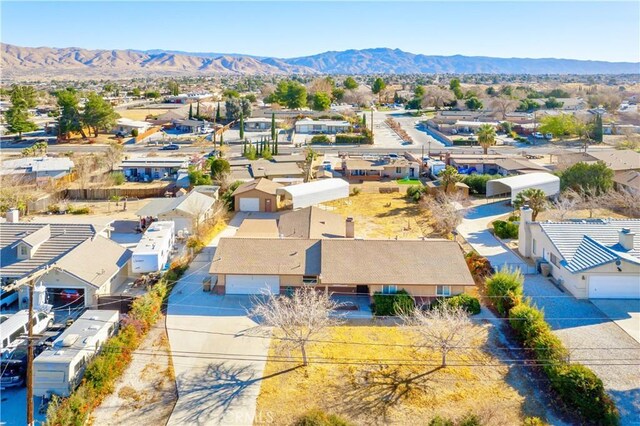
(581, 30)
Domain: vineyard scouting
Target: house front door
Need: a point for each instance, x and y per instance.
(267, 205)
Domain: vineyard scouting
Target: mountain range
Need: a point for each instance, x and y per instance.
(72, 62)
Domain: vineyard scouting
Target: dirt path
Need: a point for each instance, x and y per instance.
(146, 393)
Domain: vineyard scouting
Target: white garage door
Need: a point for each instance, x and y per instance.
(249, 204)
(614, 287)
(252, 284)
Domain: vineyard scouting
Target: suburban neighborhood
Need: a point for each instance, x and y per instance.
(362, 237)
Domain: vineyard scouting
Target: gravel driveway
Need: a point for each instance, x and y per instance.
(595, 341)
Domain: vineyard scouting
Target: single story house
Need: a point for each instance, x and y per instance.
(64, 257)
(259, 124)
(38, 169)
(594, 259)
(628, 180)
(255, 265)
(518, 166)
(149, 168)
(191, 126)
(269, 169)
(125, 126)
(259, 195)
(364, 169)
(187, 212)
(308, 125)
(511, 186)
(187, 98)
(310, 222)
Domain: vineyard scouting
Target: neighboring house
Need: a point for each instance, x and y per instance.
(268, 169)
(362, 169)
(259, 124)
(254, 265)
(187, 212)
(150, 168)
(628, 180)
(187, 98)
(38, 169)
(595, 259)
(191, 126)
(465, 126)
(125, 126)
(308, 125)
(518, 166)
(76, 258)
(259, 195)
(311, 222)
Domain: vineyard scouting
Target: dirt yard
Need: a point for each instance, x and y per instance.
(373, 375)
(142, 113)
(581, 214)
(383, 215)
(146, 393)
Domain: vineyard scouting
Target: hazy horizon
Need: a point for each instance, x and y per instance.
(598, 31)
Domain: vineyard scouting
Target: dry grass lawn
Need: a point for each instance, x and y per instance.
(141, 114)
(372, 375)
(581, 214)
(383, 215)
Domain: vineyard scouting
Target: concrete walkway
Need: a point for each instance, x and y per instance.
(218, 369)
(474, 230)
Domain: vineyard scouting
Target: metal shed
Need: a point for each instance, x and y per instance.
(313, 193)
(513, 185)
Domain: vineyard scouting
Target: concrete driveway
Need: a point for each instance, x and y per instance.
(474, 230)
(217, 367)
(624, 312)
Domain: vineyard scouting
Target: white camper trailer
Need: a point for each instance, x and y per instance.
(152, 252)
(57, 371)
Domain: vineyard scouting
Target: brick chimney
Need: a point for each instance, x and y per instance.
(625, 238)
(350, 228)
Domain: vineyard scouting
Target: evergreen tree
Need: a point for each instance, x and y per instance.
(597, 130)
(364, 120)
(275, 144)
(217, 120)
(241, 126)
(221, 138)
(273, 125)
(198, 110)
(190, 111)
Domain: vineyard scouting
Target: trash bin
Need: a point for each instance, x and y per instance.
(206, 284)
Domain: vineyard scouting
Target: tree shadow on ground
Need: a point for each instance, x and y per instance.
(218, 389)
(375, 391)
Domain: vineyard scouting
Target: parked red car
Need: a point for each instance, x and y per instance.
(70, 295)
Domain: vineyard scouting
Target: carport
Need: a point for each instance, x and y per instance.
(511, 186)
(313, 193)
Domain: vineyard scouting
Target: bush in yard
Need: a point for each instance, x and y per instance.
(505, 229)
(469, 419)
(440, 421)
(392, 304)
(581, 389)
(320, 418)
(79, 210)
(505, 289)
(320, 139)
(134, 133)
(527, 321)
(355, 139)
(465, 301)
(478, 182)
(534, 421)
(414, 192)
(479, 266)
(118, 178)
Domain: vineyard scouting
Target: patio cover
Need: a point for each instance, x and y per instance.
(513, 185)
(312, 193)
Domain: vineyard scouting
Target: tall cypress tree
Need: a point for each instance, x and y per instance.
(598, 131)
(190, 111)
(217, 120)
(275, 149)
(364, 120)
(221, 138)
(273, 126)
(241, 126)
(198, 110)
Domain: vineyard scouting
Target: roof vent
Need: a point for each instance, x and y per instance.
(69, 340)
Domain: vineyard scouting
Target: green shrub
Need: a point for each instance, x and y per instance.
(527, 321)
(534, 421)
(504, 229)
(440, 421)
(134, 133)
(465, 301)
(505, 289)
(478, 182)
(479, 266)
(470, 419)
(582, 390)
(392, 304)
(79, 210)
(320, 139)
(353, 139)
(54, 208)
(118, 178)
(320, 418)
(414, 192)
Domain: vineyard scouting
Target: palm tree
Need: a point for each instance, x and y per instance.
(486, 137)
(535, 198)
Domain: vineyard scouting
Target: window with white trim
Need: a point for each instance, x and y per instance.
(534, 246)
(443, 290)
(553, 259)
(389, 289)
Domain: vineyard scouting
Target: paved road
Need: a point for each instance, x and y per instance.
(474, 230)
(218, 369)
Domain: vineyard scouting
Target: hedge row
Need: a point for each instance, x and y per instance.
(392, 304)
(320, 139)
(353, 139)
(105, 369)
(477, 182)
(504, 229)
(578, 387)
(465, 301)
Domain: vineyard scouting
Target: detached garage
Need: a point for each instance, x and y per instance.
(511, 186)
(257, 196)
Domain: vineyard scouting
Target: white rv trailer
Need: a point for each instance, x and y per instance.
(14, 330)
(58, 370)
(153, 250)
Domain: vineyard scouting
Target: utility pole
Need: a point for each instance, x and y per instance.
(30, 359)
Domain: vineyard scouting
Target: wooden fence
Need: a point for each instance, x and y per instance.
(107, 193)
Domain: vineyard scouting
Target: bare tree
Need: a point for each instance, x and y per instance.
(504, 105)
(113, 155)
(565, 204)
(623, 200)
(444, 328)
(304, 316)
(444, 211)
(84, 168)
(436, 97)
